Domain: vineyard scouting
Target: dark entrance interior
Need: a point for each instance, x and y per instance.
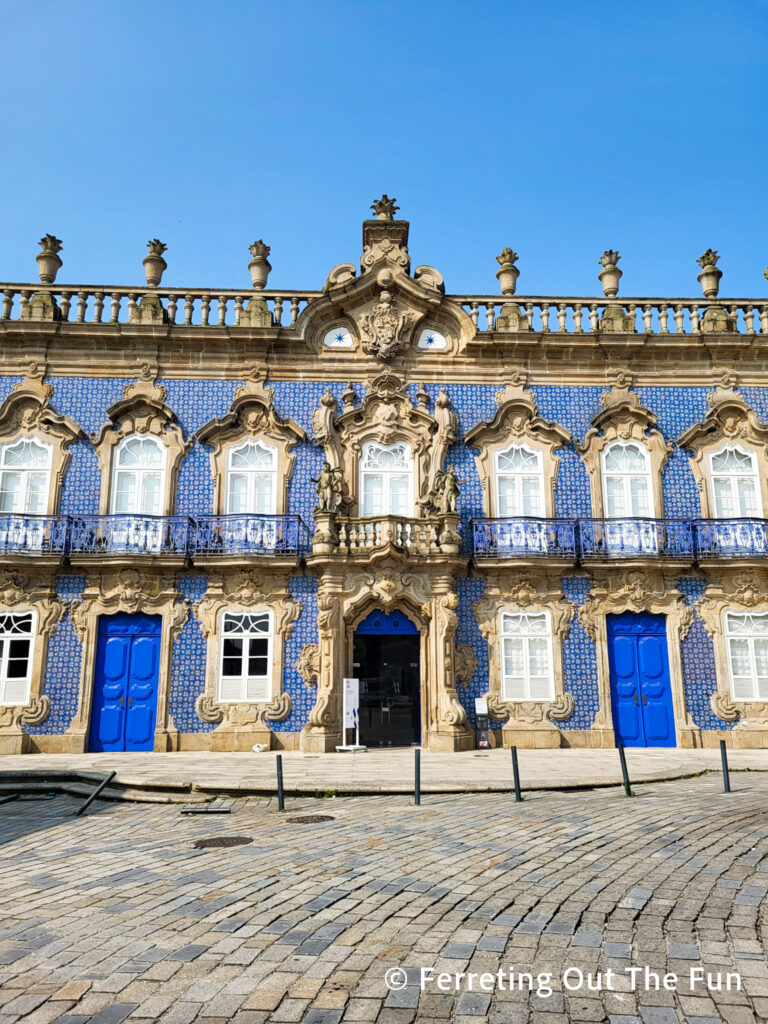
(386, 661)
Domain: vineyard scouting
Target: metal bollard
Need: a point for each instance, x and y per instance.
(724, 759)
(280, 795)
(624, 772)
(102, 785)
(516, 774)
(417, 777)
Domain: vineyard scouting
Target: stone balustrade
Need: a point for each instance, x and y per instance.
(183, 307)
(199, 307)
(361, 535)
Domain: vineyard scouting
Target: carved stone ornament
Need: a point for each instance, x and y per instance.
(466, 664)
(624, 418)
(385, 331)
(529, 723)
(729, 423)
(253, 416)
(517, 422)
(245, 591)
(745, 591)
(27, 413)
(308, 663)
(142, 411)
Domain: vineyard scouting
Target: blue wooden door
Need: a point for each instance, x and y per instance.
(641, 693)
(125, 682)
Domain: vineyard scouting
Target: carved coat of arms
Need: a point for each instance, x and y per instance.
(383, 328)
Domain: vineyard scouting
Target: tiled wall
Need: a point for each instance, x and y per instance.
(196, 402)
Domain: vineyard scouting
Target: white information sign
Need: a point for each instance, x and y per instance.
(481, 706)
(352, 704)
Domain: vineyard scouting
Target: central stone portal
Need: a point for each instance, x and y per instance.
(386, 659)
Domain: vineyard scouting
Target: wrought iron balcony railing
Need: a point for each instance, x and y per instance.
(179, 536)
(526, 537)
(127, 534)
(33, 535)
(248, 534)
(634, 538)
(731, 538)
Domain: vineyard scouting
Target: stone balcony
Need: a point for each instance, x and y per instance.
(364, 536)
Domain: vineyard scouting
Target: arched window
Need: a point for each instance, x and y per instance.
(386, 480)
(251, 479)
(626, 476)
(519, 482)
(735, 485)
(526, 656)
(138, 482)
(17, 632)
(747, 635)
(25, 475)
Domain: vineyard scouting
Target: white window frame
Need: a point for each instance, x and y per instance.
(387, 475)
(626, 478)
(506, 636)
(6, 637)
(25, 472)
(738, 692)
(244, 678)
(140, 473)
(733, 478)
(251, 475)
(518, 476)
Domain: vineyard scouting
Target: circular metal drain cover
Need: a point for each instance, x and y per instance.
(214, 841)
(311, 819)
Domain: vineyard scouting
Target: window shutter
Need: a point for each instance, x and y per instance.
(16, 691)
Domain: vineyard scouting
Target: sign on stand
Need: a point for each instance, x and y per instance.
(351, 717)
(481, 717)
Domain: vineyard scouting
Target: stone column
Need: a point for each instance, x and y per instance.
(323, 731)
(446, 727)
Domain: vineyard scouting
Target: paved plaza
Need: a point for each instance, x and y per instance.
(117, 915)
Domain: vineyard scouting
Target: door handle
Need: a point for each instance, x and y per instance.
(634, 697)
(130, 702)
(645, 699)
(122, 702)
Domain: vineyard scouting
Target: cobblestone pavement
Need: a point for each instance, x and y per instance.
(116, 915)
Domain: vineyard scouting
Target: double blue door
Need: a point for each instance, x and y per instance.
(125, 683)
(641, 694)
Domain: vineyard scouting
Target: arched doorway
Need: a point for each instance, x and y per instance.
(386, 660)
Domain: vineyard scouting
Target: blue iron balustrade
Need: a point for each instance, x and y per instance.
(33, 535)
(524, 537)
(636, 537)
(731, 538)
(128, 534)
(248, 535)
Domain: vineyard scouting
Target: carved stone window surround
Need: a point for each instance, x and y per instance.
(251, 416)
(28, 413)
(127, 590)
(23, 593)
(517, 422)
(623, 418)
(528, 722)
(141, 411)
(639, 591)
(245, 592)
(386, 415)
(745, 591)
(730, 422)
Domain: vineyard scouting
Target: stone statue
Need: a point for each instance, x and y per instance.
(446, 490)
(329, 488)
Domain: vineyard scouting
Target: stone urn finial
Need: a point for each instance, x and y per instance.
(507, 273)
(259, 265)
(154, 264)
(385, 208)
(49, 261)
(610, 274)
(709, 277)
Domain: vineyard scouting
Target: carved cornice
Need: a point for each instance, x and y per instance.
(252, 414)
(636, 591)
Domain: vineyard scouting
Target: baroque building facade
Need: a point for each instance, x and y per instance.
(215, 506)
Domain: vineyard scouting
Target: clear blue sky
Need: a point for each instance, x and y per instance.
(558, 127)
